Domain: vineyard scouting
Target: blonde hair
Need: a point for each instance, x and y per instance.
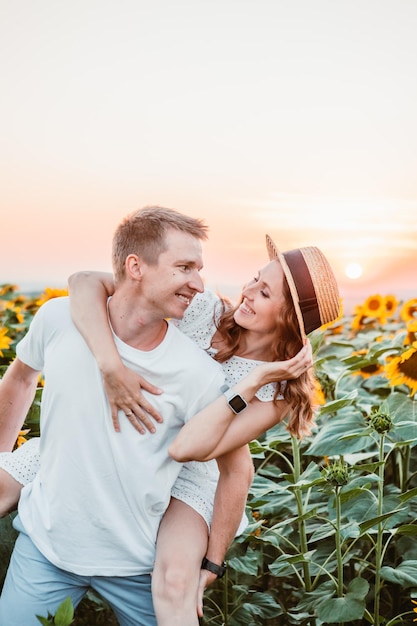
(143, 233)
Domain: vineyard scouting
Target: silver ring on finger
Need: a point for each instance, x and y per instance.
(129, 414)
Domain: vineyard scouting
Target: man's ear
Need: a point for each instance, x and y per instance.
(133, 265)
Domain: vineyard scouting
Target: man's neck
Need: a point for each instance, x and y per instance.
(135, 326)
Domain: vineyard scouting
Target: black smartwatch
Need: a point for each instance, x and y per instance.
(219, 570)
(234, 400)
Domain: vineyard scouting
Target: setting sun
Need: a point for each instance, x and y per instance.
(353, 270)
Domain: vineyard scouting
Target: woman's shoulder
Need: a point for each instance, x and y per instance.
(208, 302)
(238, 367)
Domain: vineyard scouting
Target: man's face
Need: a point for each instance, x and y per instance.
(172, 283)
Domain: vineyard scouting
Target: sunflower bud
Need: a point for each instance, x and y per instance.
(336, 474)
(381, 422)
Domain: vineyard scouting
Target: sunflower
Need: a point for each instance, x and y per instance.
(21, 439)
(369, 370)
(5, 341)
(257, 518)
(7, 289)
(391, 304)
(49, 293)
(20, 299)
(409, 310)
(12, 314)
(414, 610)
(19, 315)
(366, 370)
(5, 305)
(411, 332)
(333, 328)
(358, 319)
(319, 397)
(374, 306)
(402, 370)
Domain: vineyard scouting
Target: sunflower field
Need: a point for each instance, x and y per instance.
(332, 537)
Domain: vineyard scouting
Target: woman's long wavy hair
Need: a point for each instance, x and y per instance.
(299, 392)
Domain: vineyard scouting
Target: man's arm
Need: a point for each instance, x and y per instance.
(236, 475)
(17, 391)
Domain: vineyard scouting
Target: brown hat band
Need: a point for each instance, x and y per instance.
(306, 294)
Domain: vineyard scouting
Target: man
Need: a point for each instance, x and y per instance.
(90, 517)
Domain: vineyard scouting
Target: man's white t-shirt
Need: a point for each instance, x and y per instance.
(95, 505)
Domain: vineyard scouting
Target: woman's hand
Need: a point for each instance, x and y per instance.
(124, 392)
(285, 370)
(300, 363)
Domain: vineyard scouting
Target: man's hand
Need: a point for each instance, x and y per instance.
(124, 393)
(206, 579)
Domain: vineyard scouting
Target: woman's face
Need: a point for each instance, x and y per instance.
(263, 299)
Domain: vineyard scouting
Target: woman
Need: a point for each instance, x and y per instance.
(256, 343)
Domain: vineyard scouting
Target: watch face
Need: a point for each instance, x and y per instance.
(237, 403)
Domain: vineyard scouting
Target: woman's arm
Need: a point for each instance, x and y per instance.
(89, 292)
(218, 437)
(216, 429)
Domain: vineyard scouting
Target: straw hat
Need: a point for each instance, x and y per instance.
(312, 284)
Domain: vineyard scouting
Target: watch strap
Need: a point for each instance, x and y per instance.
(219, 570)
(235, 401)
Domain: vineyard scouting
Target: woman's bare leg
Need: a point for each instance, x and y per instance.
(181, 545)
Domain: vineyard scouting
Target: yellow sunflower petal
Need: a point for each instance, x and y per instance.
(5, 341)
(49, 294)
(21, 438)
(319, 397)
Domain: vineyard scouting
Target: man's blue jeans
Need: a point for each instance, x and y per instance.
(34, 586)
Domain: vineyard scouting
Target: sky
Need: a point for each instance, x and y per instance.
(295, 118)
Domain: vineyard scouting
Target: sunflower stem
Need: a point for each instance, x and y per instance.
(338, 538)
(378, 545)
(300, 510)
